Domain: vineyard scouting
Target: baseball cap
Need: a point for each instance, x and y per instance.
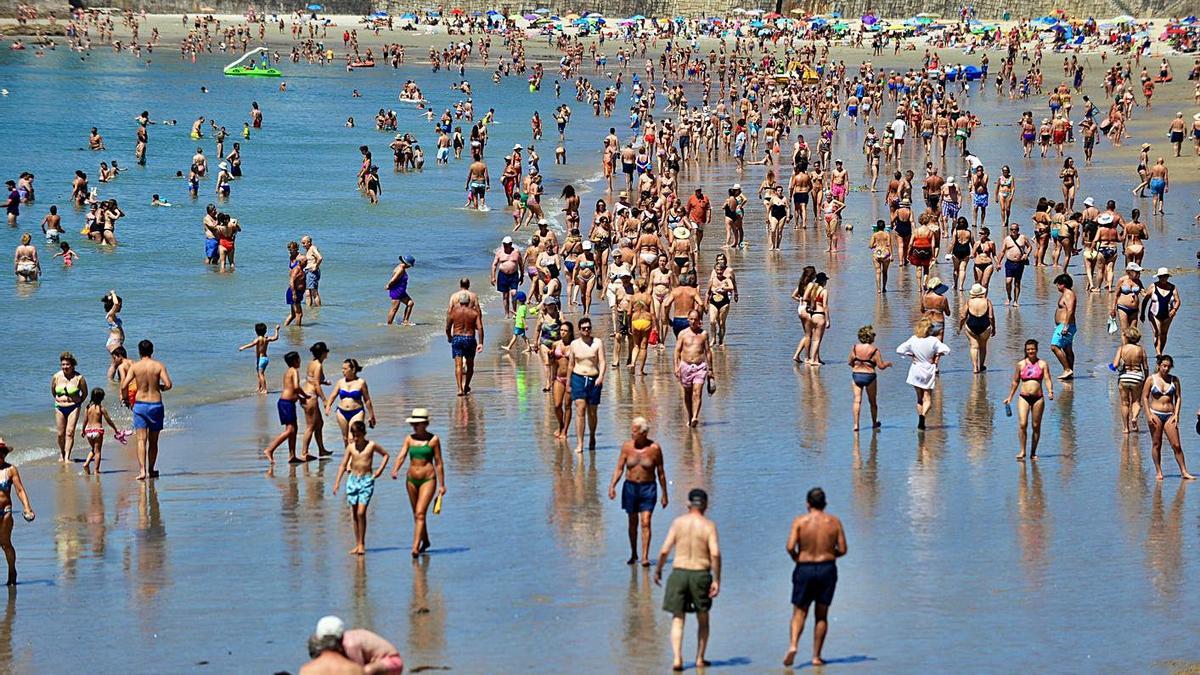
(330, 626)
(698, 498)
(506, 240)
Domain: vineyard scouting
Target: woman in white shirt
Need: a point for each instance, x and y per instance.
(925, 350)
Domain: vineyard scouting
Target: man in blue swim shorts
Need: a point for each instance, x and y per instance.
(587, 364)
(150, 379)
(463, 322)
(815, 542)
(1062, 344)
(506, 273)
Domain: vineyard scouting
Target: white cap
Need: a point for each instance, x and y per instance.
(950, 180)
(587, 245)
(1163, 272)
(737, 186)
(1089, 202)
(506, 240)
(517, 146)
(330, 626)
(1133, 267)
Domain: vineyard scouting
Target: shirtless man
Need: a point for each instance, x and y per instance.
(695, 575)
(1160, 185)
(1015, 252)
(628, 163)
(587, 365)
(312, 271)
(506, 273)
(327, 652)
(681, 301)
(1176, 130)
(1064, 331)
(478, 182)
(799, 187)
(815, 543)
(693, 365)
(463, 321)
(151, 379)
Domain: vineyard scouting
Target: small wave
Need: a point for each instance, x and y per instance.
(30, 455)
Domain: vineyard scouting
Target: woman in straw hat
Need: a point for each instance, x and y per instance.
(426, 474)
(979, 319)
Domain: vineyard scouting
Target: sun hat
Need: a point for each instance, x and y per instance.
(418, 415)
(681, 232)
(1133, 267)
(1089, 202)
(330, 626)
(1162, 272)
(408, 260)
(978, 291)
(932, 283)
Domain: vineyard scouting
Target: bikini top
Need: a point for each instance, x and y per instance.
(355, 394)
(6, 484)
(68, 389)
(421, 452)
(1154, 389)
(869, 361)
(1130, 290)
(1031, 371)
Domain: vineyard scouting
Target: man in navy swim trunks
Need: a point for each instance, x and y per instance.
(463, 322)
(506, 273)
(587, 365)
(150, 379)
(816, 541)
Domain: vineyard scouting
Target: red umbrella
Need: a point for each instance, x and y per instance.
(772, 16)
(457, 11)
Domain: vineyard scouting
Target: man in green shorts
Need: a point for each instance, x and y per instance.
(695, 575)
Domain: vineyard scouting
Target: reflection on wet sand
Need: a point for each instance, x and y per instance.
(427, 621)
(978, 420)
(150, 573)
(576, 508)
(1032, 528)
(1164, 541)
(865, 478)
(642, 639)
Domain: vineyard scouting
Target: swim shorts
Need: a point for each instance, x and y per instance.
(210, 248)
(584, 387)
(312, 279)
(687, 592)
(506, 282)
(287, 412)
(1064, 336)
(1013, 269)
(814, 582)
(678, 323)
(692, 373)
(1158, 186)
(638, 497)
(148, 416)
(463, 346)
(263, 362)
(359, 489)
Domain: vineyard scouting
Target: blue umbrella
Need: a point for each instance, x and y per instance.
(757, 24)
(380, 14)
(315, 8)
(409, 15)
(870, 20)
(492, 12)
(637, 17)
(541, 10)
(477, 13)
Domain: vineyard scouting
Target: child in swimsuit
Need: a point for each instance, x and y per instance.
(94, 417)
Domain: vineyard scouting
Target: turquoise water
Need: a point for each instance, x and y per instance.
(299, 178)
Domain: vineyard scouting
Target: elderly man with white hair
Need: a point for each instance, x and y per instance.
(337, 651)
(641, 462)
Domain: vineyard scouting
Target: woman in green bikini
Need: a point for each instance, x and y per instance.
(426, 472)
(68, 387)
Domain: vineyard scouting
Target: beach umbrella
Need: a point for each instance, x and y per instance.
(572, 16)
(929, 15)
(765, 31)
(835, 15)
(870, 20)
(379, 14)
(531, 17)
(409, 15)
(541, 10)
(772, 16)
(739, 10)
(492, 12)
(457, 11)
(797, 11)
(753, 12)
(921, 20)
(637, 17)
(757, 24)
(1124, 18)
(311, 8)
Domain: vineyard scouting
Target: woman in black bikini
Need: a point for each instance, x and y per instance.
(985, 258)
(864, 360)
(722, 287)
(1162, 396)
(1029, 376)
(816, 297)
(979, 318)
(800, 295)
